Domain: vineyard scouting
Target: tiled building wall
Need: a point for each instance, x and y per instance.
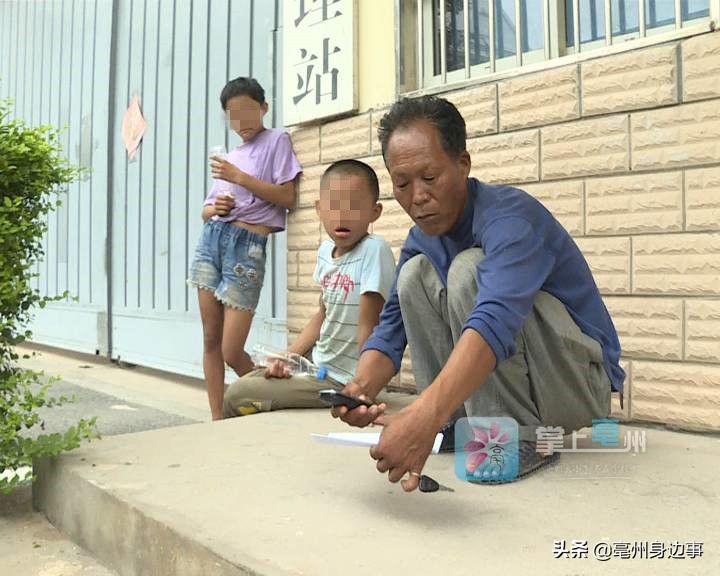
(625, 151)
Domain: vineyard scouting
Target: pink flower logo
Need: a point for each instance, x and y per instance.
(487, 443)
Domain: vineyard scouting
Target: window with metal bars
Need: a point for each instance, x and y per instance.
(446, 41)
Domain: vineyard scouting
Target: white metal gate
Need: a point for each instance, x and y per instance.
(122, 241)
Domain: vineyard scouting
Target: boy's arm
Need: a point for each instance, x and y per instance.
(303, 344)
(371, 304)
(310, 334)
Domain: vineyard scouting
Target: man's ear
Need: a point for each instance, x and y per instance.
(317, 208)
(265, 107)
(377, 210)
(465, 163)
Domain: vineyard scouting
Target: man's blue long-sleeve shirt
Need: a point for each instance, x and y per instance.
(526, 250)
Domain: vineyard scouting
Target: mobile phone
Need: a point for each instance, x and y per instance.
(335, 398)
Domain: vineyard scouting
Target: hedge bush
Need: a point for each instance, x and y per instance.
(32, 174)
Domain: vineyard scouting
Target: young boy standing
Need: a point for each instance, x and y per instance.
(355, 271)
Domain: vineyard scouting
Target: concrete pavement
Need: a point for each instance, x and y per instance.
(31, 546)
(255, 495)
(169, 393)
(114, 415)
(124, 400)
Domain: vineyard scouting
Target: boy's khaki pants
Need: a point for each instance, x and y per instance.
(254, 393)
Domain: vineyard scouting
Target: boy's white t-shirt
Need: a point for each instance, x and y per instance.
(369, 267)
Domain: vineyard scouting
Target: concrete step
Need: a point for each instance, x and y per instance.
(30, 545)
(256, 496)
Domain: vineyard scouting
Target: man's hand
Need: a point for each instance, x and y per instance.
(277, 369)
(362, 415)
(227, 171)
(374, 371)
(405, 444)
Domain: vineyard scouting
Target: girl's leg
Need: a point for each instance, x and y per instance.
(236, 327)
(211, 312)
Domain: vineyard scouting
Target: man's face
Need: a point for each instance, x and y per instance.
(430, 185)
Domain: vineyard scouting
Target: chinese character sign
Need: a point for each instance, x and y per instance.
(318, 59)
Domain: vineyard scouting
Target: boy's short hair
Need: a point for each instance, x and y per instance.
(242, 86)
(354, 168)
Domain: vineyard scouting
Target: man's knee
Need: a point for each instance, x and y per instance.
(463, 270)
(411, 275)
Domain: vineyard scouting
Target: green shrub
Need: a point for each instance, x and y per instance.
(32, 172)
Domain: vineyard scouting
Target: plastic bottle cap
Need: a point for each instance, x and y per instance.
(322, 373)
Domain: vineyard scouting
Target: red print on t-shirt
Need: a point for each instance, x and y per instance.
(338, 280)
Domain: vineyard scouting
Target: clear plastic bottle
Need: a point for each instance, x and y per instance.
(218, 150)
(297, 365)
(224, 187)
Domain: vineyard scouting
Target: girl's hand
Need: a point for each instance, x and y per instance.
(227, 171)
(224, 204)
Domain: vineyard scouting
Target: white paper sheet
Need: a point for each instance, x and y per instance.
(362, 439)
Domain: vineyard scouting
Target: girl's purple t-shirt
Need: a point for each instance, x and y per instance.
(269, 157)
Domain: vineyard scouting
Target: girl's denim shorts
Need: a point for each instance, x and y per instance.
(230, 262)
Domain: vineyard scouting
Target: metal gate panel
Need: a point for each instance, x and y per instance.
(123, 238)
(176, 56)
(55, 65)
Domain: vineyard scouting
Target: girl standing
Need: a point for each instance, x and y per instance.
(253, 188)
